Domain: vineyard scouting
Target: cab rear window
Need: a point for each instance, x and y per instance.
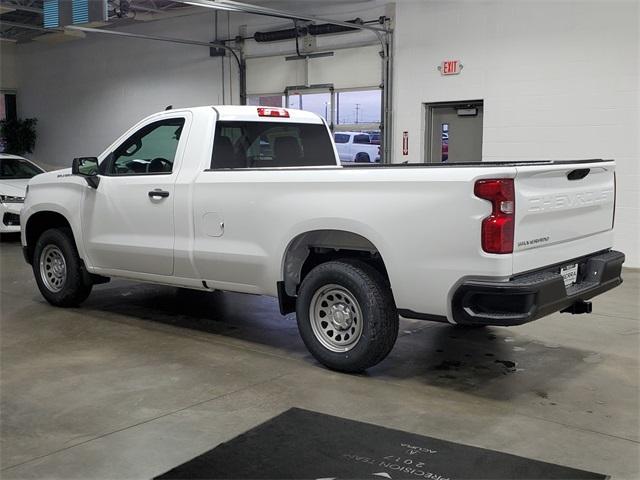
(271, 144)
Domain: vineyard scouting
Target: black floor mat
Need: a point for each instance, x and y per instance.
(310, 445)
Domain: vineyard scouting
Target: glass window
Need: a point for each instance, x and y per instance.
(8, 110)
(341, 137)
(151, 150)
(14, 168)
(266, 100)
(271, 144)
(318, 103)
(362, 138)
(360, 106)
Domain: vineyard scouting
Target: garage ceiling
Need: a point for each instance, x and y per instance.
(21, 20)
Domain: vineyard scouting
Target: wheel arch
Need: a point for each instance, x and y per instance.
(310, 248)
(38, 223)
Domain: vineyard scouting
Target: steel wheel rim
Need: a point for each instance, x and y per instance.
(336, 318)
(53, 268)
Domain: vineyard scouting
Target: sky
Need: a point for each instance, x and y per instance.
(361, 106)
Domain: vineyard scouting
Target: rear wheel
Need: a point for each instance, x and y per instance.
(58, 269)
(346, 315)
(363, 157)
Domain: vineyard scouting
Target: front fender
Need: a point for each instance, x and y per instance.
(62, 197)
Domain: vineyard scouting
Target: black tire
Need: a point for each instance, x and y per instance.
(76, 286)
(379, 328)
(363, 157)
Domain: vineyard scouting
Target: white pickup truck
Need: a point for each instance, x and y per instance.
(356, 147)
(254, 200)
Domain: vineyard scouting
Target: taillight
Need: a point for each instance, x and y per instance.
(498, 228)
(272, 112)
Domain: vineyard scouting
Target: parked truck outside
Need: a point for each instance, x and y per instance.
(356, 147)
(254, 200)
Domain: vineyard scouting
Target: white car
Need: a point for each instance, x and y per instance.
(15, 172)
(254, 200)
(356, 147)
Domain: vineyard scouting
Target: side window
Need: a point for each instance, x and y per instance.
(341, 138)
(271, 145)
(151, 150)
(363, 138)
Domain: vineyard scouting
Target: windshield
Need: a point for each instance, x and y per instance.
(17, 168)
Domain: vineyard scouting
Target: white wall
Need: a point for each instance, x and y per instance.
(559, 81)
(8, 76)
(87, 92)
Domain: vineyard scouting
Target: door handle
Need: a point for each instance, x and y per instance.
(158, 193)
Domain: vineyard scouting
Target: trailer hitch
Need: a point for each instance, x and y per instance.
(578, 307)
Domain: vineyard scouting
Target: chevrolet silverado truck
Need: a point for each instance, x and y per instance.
(254, 200)
(356, 147)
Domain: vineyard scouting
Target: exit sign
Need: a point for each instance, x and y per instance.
(450, 67)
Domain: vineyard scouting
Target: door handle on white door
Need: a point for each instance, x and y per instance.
(158, 193)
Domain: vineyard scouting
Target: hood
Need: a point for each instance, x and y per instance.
(15, 188)
(52, 176)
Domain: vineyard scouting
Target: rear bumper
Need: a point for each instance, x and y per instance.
(533, 295)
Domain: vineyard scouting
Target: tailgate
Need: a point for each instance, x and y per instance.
(563, 210)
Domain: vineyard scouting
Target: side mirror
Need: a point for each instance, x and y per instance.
(86, 167)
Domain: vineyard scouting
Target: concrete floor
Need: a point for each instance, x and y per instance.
(143, 378)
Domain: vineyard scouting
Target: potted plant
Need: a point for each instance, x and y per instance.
(18, 136)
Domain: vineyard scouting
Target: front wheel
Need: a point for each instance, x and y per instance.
(58, 269)
(346, 315)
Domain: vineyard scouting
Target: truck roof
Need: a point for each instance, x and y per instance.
(249, 113)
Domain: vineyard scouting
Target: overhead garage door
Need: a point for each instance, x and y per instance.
(272, 75)
(343, 88)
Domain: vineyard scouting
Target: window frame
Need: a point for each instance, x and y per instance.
(106, 164)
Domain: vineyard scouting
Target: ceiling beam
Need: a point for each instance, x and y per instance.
(232, 6)
(142, 8)
(23, 8)
(27, 26)
(119, 33)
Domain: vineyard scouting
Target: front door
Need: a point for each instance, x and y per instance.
(454, 132)
(127, 221)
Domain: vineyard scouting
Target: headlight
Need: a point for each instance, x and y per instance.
(11, 199)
